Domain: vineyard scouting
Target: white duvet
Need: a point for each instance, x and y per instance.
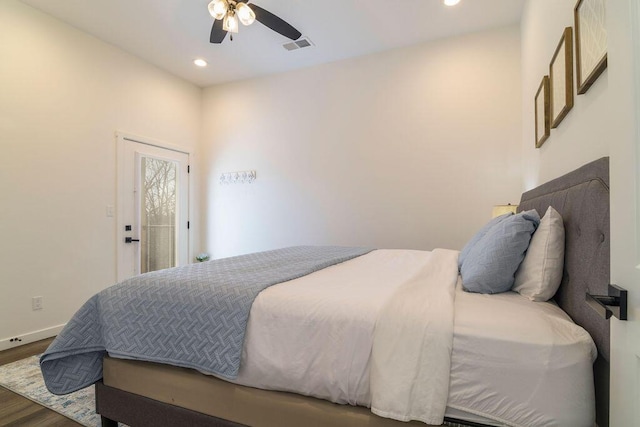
(314, 335)
(378, 331)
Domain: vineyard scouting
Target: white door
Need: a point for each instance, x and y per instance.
(153, 200)
(623, 27)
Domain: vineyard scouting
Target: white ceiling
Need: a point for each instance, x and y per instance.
(172, 33)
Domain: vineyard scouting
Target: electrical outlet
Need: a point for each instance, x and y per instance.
(36, 303)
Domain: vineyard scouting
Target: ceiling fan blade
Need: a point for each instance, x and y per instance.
(276, 24)
(217, 33)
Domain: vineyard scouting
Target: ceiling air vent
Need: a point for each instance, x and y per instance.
(298, 44)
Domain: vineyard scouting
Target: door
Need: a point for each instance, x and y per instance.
(623, 28)
(153, 220)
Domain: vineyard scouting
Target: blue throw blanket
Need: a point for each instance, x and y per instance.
(193, 316)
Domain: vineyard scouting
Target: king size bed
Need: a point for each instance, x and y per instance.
(361, 338)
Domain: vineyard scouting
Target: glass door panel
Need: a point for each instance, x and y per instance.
(157, 214)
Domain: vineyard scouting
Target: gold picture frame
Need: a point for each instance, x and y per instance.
(591, 42)
(561, 78)
(543, 128)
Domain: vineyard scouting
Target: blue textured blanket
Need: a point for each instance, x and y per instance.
(193, 316)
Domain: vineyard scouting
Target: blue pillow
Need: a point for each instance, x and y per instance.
(491, 264)
(479, 235)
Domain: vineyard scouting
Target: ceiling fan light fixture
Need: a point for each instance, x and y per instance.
(218, 8)
(245, 14)
(230, 23)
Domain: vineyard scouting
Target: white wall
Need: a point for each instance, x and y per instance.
(404, 149)
(63, 94)
(585, 132)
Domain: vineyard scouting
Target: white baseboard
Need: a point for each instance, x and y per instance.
(30, 337)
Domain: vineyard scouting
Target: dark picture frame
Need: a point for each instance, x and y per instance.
(542, 117)
(591, 42)
(561, 78)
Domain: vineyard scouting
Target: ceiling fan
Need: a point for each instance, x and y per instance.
(228, 12)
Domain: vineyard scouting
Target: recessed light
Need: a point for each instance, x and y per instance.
(200, 62)
(451, 2)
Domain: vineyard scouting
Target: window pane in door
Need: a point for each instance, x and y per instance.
(157, 214)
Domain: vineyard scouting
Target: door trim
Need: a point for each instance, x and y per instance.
(155, 144)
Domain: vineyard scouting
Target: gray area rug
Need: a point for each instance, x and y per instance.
(24, 377)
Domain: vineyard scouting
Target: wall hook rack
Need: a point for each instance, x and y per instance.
(240, 177)
(613, 304)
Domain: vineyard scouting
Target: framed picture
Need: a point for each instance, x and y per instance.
(561, 78)
(591, 42)
(542, 112)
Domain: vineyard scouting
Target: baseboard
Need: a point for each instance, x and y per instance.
(30, 337)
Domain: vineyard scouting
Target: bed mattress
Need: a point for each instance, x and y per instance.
(520, 362)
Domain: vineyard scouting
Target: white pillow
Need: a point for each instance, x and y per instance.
(540, 273)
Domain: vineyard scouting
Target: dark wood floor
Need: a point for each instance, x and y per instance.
(15, 410)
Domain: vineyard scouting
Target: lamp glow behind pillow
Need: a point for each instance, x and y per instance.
(540, 274)
(490, 266)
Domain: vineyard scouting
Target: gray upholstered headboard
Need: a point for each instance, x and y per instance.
(582, 198)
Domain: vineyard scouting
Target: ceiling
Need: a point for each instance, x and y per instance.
(172, 33)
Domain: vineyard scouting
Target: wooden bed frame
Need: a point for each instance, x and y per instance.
(581, 197)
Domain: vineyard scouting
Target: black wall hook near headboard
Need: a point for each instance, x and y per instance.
(613, 304)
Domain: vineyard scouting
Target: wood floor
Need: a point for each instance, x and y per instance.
(16, 410)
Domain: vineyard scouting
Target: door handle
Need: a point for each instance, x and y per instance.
(130, 239)
(615, 303)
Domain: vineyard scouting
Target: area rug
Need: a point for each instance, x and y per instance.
(24, 377)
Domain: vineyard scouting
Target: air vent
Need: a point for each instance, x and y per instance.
(298, 44)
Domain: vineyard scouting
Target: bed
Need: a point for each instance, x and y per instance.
(294, 372)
